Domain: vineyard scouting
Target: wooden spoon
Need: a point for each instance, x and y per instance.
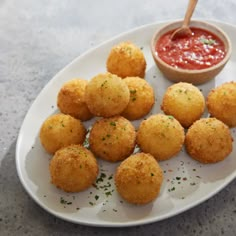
(184, 30)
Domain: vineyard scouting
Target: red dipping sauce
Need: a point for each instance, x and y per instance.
(199, 51)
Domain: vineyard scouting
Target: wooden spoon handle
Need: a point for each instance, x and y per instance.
(191, 6)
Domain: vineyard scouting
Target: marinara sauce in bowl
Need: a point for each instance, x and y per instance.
(196, 58)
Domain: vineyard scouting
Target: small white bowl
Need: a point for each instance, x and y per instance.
(195, 77)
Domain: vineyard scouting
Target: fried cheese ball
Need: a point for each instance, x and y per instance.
(70, 99)
(141, 99)
(112, 139)
(126, 59)
(221, 103)
(208, 140)
(61, 130)
(160, 135)
(185, 102)
(107, 95)
(73, 168)
(138, 179)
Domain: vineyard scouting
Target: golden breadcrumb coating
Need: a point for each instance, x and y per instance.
(209, 140)
(160, 135)
(61, 130)
(139, 178)
(126, 59)
(185, 102)
(107, 95)
(221, 103)
(73, 168)
(141, 100)
(70, 99)
(112, 139)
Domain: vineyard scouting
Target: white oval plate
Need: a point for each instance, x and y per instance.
(187, 183)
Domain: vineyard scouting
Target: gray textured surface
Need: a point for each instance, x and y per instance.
(37, 39)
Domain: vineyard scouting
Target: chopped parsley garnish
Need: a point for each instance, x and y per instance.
(207, 41)
(171, 189)
(63, 201)
(86, 142)
(101, 178)
(108, 193)
(133, 91)
(62, 123)
(103, 84)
